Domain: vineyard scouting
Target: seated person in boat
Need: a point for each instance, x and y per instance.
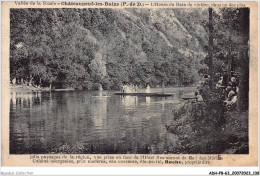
(148, 89)
(136, 88)
(100, 88)
(129, 88)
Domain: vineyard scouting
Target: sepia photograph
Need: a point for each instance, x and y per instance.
(129, 81)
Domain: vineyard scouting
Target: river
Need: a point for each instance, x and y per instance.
(84, 122)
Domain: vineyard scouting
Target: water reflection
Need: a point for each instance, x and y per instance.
(99, 111)
(148, 100)
(87, 122)
(129, 102)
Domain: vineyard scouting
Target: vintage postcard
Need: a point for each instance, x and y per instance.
(129, 83)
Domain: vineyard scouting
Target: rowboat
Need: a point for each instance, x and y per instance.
(146, 94)
(63, 90)
(189, 98)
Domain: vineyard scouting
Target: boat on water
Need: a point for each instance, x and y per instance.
(146, 94)
(63, 90)
(189, 98)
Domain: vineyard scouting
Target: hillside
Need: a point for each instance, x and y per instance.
(84, 47)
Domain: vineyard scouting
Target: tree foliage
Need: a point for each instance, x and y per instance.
(84, 47)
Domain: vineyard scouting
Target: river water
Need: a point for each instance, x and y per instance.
(85, 122)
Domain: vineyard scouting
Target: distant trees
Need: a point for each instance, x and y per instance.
(82, 48)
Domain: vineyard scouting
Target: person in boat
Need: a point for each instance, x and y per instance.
(100, 88)
(128, 88)
(121, 87)
(163, 88)
(124, 88)
(148, 89)
(132, 88)
(136, 88)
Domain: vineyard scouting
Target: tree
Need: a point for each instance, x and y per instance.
(244, 59)
(230, 51)
(210, 48)
(98, 68)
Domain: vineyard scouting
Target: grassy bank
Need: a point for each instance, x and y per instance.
(202, 132)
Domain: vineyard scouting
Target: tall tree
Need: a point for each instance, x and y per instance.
(244, 60)
(210, 48)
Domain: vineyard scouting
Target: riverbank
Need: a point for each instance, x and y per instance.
(28, 89)
(200, 133)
